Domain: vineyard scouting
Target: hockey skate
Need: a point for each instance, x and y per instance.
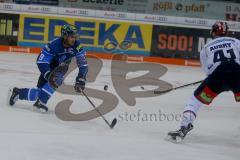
(40, 106)
(179, 135)
(14, 96)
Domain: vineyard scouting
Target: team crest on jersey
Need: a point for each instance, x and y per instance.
(67, 51)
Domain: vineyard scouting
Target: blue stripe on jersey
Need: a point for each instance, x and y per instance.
(220, 40)
(46, 52)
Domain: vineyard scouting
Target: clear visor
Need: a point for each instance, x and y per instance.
(73, 35)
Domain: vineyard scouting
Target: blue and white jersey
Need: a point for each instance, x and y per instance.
(219, 50)
(54, 53)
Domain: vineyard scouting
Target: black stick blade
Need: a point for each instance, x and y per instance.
(161, 92)
(113, 123)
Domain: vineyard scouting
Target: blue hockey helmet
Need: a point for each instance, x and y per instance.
(69, 30)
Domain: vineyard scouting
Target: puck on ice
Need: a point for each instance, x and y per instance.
(142, 87)
(106, 87)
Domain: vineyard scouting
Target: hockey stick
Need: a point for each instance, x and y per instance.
(114, 120)
(168, 90)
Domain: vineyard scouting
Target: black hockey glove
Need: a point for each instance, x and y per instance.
(57, 79)
(79, 84)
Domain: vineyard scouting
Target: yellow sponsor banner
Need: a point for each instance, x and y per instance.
(36, 30)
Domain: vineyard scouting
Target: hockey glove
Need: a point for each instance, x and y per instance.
(79, 84)
(57, 79)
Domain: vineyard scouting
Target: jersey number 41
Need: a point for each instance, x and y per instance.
(219, 55)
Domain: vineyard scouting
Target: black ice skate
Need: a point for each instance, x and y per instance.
(40, 106)
(14, 96)
(179, 135)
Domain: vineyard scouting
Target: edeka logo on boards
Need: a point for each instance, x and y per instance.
(36, 30)
(115, 2)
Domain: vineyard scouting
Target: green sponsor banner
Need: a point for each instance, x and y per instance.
(187, 8)
(198, 9)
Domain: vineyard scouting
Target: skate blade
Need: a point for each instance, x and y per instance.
(39, 110)
(175, 140)
(8, 96)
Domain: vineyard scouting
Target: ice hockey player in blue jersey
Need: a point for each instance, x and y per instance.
(60, 51)
(220, 60)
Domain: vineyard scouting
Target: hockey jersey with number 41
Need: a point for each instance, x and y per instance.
(217, 51)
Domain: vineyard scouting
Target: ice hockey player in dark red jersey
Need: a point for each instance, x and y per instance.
(220, 60)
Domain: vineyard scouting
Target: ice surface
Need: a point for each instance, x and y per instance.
(27, 135)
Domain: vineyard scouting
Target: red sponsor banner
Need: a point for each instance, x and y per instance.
(180, 42)
(102, 55)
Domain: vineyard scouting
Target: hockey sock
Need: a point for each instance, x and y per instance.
(191, 109)
(45, 93)
(30, 94)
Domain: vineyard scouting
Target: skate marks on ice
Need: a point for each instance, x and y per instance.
(176, 140)
(7, 71)
(231, 140)
(211, 140)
